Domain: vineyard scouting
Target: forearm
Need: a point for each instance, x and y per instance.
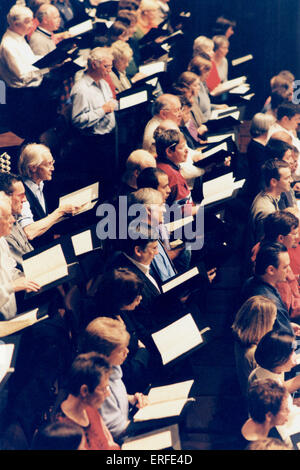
(38, 228)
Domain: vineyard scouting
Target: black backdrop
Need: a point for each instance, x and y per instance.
(268, 29)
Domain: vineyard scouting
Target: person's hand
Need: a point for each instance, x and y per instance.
(227, 161)
(140, 400)
(211, 274)
(296, 328)
(68, 209)
(296, 186)
(110, 106)
(175, 252)
(22, 283)
(202, 129)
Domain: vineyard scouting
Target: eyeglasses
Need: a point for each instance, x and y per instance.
(48, 164)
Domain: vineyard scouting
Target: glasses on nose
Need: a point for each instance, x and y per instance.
(49, 164)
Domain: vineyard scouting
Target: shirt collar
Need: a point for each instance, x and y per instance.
(169, 162)
(33, 186)
(44, 31)
(143, 267)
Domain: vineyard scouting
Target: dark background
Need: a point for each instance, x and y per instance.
(268, 29)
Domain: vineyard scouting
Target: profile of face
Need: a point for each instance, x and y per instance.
(18, 196)
(163, 186)
(291, 124)
(289, 158)
(103, 67)
(172, 111)
(229, 32)
(122, 64)
(284, 413)
(44, 171)
(23, 27)
(118, 356)
(280, 274)
(6, 218)
(147, 255)
(52, 20)
(291, 239)
(99, 395)
(178, 154)
(195, 88)
(223, 50)
(284, 183)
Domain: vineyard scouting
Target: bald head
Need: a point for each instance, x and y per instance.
(48, 17)
(168, 107)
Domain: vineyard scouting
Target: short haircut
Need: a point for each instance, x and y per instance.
(166, 139)
(6, 182)
(146, 196)
(58, 436)
(139, 159)
(279, 223)
(99, 54)
(274, 349)
(163, 102)
(140, 237)
(116, 30)
(261, 123)
(104, 335)
(219, 40)
(148, 178)
(31, 157)
(86, 369)
(270, 169)
(17, 14)
(254, 319)
(287, 109)
(265, 396)
(199, 64)
(268, 255)
(277, 148)
(44, 10)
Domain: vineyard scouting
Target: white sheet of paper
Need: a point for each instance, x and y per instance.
(241, 60)
(155, 440)
(212, 151)
(221, 189)
(226, 86)
(172, 226)
(152, 68)
(177, 338)
(6, 353)
(180, 279)
(160, 410)
(46, 267)
(81, 28)
(82, 242)
(217, 138)
(170, 392)
(133, 100)
(240, 90)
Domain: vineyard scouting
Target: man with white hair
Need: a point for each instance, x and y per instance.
(11, 280)
(41, 41)
(93, 116)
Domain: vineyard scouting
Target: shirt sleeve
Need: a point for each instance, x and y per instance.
(26, 217)
(84, 113)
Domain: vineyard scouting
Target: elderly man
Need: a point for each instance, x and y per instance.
(137, 161)
(11, 280)
(93, 116)
(41, 41)
(17, 240)
(32, 108)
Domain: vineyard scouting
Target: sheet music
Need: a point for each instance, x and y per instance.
(211, 139)
(81, 28)
(6, 354)
(133, 100)
(82, 198)
(46, 267)
(82, 242)
(170, 392)
(217, 113)
(214, 195)
(177, 338)
(179, 280)
(160, 410)
(241, 60)
(240, 90)
(152, 68)
(226, 86)
(212, 151)
(172, 226)
(163, 438)
(19, 322)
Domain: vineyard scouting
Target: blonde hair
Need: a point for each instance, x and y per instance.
(254, 319)
(201, 44)
(32, 156)
(121, 50)
(148, 5)
(105, 334)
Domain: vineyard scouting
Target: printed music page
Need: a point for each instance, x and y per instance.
(177, 338)
(82, 242)
(46, 267)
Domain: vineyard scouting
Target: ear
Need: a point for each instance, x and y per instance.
(269, 417)
(137, 251)
(280, 238)
(84, 391)
(270, 270)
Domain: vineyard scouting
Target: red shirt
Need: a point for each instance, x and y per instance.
(213, 79)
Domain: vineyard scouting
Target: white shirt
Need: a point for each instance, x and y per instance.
(276, 127)
(16, 59)
(145, 269)
(26, 217)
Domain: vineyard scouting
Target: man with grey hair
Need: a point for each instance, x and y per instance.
(93, 116)
(11, 279)
(137, 161)
(41, 41)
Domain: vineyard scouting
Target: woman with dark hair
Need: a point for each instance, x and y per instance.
(275, 355)
(59, 436)
(118, 294)
(87, 388)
